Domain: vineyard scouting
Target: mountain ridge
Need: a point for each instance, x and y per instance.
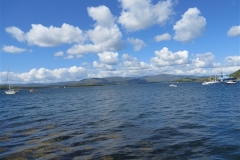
(114, 80)
(117, 80)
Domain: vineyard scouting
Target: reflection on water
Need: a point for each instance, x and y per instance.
(148, 121)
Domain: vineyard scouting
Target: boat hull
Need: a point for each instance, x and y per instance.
(231, 82)
(172, 85)
(206, 83)
(33, 90)
(10, 92)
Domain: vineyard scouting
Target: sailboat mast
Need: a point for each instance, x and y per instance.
(210, 75)
(7, 80)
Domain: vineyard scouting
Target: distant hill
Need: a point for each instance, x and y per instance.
(120, 81)
(110, 81)
(132, 80)
(236, 74)
(106, 81)
(167, 77)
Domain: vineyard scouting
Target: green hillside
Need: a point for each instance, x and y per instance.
(167, 77)
(236, 74)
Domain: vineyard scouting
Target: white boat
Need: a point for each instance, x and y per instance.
(10, 91)
(213, 82)
(172, 85)
(231, 82)
(225, 78)
(206, 83)
(33, 90)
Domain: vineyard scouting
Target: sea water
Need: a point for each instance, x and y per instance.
(139, 121)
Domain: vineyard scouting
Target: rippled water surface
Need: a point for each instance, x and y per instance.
(144, 121)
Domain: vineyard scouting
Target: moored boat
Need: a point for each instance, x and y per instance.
(231, 82)
(33, 90)
(9, 91)
(206, 83)
(172, 85)
(226, 78)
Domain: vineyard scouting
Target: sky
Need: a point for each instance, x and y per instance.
(46, 41)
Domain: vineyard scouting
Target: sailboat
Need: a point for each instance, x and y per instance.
(172, 85)
(10, 91)
(208, 82)
(33, 90)
(215, 80)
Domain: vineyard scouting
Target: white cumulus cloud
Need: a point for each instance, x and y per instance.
(190, 26)
(138, 44)
(102, 15)
(102, 66)
(53, 36)
(80, 49)
(12, 49)
(203, 60)
(234, 31)
(59, 54)
(140, 14)
(69, 57)
(16, 33)
(107, 60)
(48, 36)
(165, 57)
(131, 63)
(105, 36)
(110, 58)
(44, 75)
(232, 61)
(163, 37)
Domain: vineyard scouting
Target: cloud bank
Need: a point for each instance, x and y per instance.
(109, 64)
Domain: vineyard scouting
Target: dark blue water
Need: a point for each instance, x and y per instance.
(144, 121)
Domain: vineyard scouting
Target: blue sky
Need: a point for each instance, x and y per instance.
(51, 41)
